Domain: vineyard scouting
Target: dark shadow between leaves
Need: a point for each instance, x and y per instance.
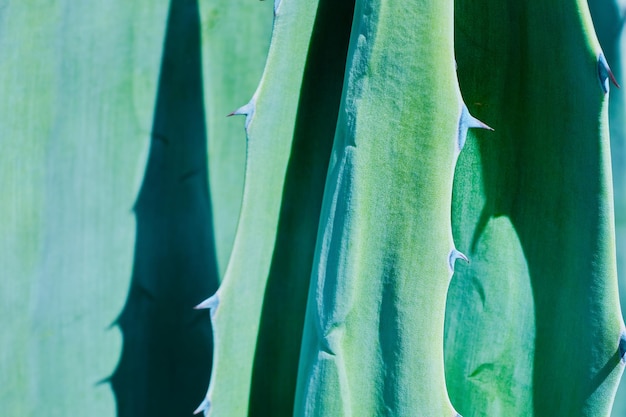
(282, 318)
(167, 352)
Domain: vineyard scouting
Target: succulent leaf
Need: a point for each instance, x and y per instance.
(374, 325)
(540, 187)
(75, 127)
(270, 135)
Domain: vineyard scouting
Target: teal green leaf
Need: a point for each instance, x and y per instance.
(608, 17)
(270, 117)
(278, 342)
(235, 40)
(543, 340)
(373, 336)
(78, 83)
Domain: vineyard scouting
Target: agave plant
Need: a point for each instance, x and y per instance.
(533, 324)
(426, 226)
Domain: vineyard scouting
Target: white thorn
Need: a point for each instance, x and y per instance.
(454, 255)
(247, 110)
(605, 74)
(471, 121)
(204, 407)
(211, 303)
(466, 122)
(276, 6)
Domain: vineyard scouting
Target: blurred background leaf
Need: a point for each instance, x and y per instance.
(78, 82)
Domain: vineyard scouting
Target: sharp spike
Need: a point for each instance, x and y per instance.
(605, 74)
(235, 112)
(204, 407)
(454, 256)
(104, 381)
(622, 346)
(467, 121)
(211, 303)
(471, 121)
(114, 323)
(613, 80)
(243, 110)
(247, 110)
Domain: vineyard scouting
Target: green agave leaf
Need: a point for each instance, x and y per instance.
(235, 40)
(278, 342)
(277, 349)
(270, 124)
(78, 82)
(533, 324)
(373, 337)
(608, 19)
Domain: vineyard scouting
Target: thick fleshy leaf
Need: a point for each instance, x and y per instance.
(284, 304)
(78, 88)
(270, 117)
(608, 18)
(538, 305)
(373, 337)
(235, 39)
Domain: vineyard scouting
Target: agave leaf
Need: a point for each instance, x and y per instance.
(540, 191)
(270, 116)
(373, 333)
(608, 18)
(78, 83)
(235, 40)
(278, 342)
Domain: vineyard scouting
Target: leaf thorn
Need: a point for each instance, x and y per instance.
(245, 110)
(454, 256)
(605, 74)
(211, 303)
(203, 407)
(467, 121)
